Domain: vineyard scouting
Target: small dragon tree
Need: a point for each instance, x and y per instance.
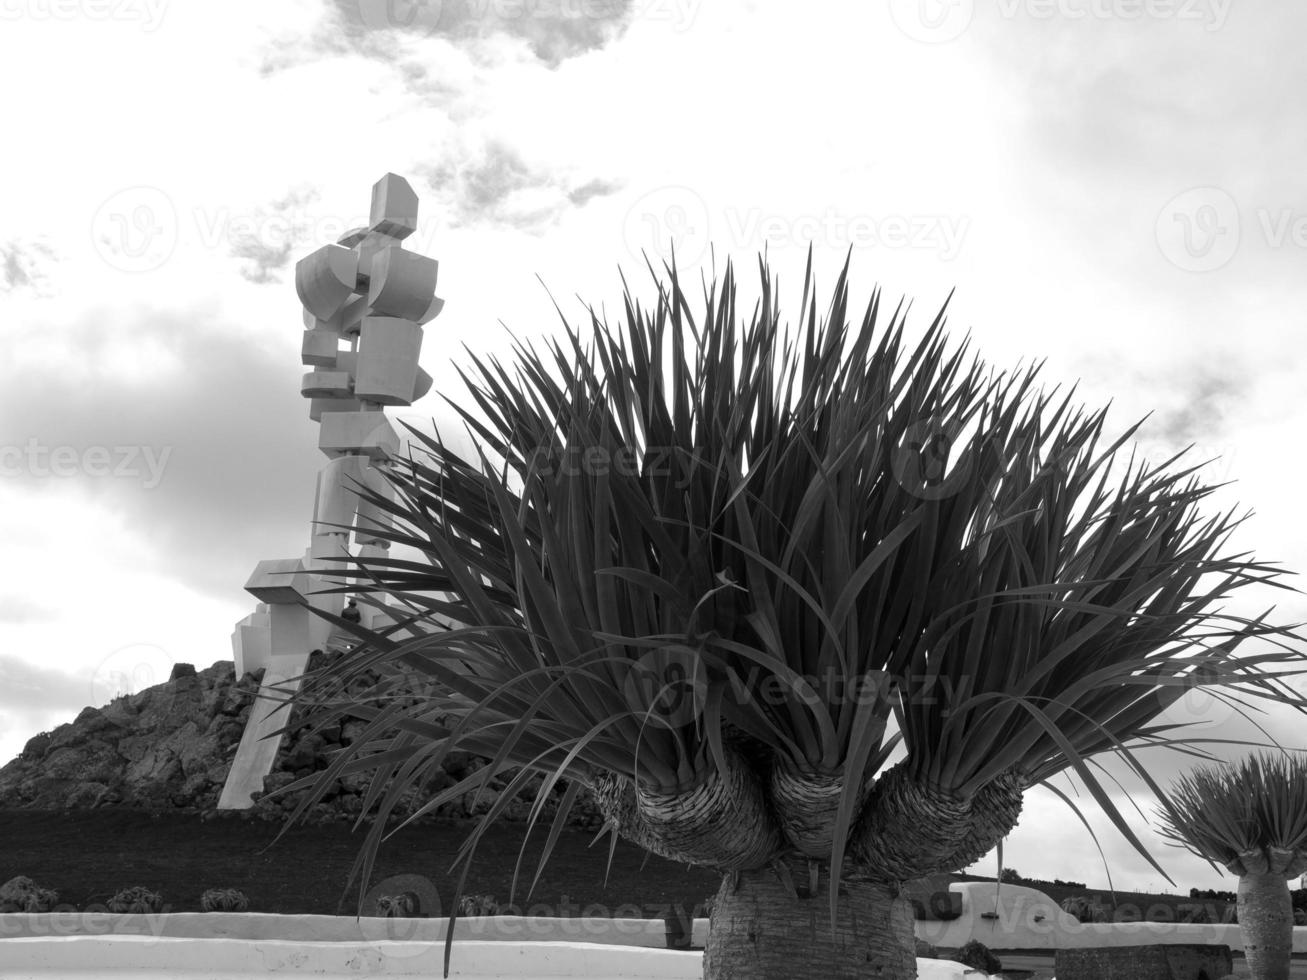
(701, 570)
(1250, 817)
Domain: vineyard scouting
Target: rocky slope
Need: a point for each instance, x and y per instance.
(170, 746)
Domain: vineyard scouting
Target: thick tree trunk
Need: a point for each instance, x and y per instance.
(909, 829)
(722, 822)
(1266, 922)
(806, 804)
(994, 813)
(769, 930)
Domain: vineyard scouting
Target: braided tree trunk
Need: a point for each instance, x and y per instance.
(722, 822)
(767, 927)
(1266, 909)
(910, 830)
(770, 828)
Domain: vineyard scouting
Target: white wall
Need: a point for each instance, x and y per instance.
(1029, 919)
(150, 958)
(333, 928)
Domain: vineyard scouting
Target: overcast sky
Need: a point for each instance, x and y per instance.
(1117, 186)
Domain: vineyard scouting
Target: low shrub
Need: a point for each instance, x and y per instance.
(476, 905)
(403, 906)
(138, 899)
(977, 956)
(21, 894)
(224, 900)
(1086, 908)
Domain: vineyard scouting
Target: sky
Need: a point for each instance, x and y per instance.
(1115, 187)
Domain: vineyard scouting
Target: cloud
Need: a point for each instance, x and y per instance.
(493, 184)
(223, 424)
(266, 260)
(592, 189)
(210, 457)
(16, 610)
(27, 687)
(271, 235)
(33, 699)
(548, 32)
(23, 266)
(1202, 410)
(552, 30)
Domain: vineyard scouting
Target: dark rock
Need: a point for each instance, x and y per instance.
(171, 745)
(181, 670)
(304, 754)
(120, 712)
(1181, 961)
(86, 716)
(977, 956)
(86, 796)
(36, 747)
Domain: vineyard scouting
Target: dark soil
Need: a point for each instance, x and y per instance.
(86, 856)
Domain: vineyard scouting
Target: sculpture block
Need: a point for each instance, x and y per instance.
(322, 549)
(422, 385)
(325, 279)
(326, 384)
(251, 641)
(352, 314)
(319, 347)
(333, 511)
(333, 403)
(347, 361)
(367, 433)
(401, 284)
(373, 518)
(327, 545)
(279, 580)
(388, 360)
(372, 245)
(364, 299)
(394, 207)
(376, 619)
(432, 311)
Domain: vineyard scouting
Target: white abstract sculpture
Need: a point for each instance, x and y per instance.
(365, 301)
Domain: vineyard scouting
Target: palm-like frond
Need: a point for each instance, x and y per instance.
(749, 506)
(1223, 812)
